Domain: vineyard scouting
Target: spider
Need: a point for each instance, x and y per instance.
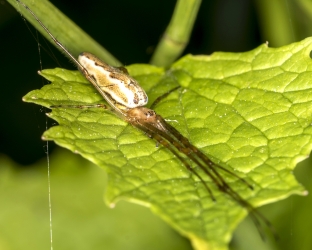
(127, 99)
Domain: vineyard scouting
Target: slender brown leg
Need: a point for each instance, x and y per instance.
(255, 215)
(169, 137)
(81, 106)
(151, 133)
(196, 151)
(155, 133)
(163, 96)
(180, 148)
(188, 145)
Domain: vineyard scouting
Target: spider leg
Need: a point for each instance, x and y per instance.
(80, 106)
(224, 187)
(158, 99)
(201, 155)
(184, 146)
(172, 141)
(213, 174)
(152, 132)
(159, 128)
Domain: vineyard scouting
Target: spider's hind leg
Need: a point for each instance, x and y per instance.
(166, 141)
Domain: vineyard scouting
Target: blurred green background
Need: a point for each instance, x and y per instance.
(130, 30)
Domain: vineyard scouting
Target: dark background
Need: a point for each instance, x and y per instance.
(130, 30)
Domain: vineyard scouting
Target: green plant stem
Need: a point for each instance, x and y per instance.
(177, 34)
(275, 22)
(306, 6)
(66, 31)
(305, 11)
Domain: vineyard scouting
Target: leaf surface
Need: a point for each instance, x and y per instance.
(249, 112)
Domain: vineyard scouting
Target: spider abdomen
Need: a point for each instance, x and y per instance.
(113, 82)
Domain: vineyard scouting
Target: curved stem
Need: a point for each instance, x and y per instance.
(66, 31)
(177, 34)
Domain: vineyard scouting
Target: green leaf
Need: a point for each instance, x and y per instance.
(250, 112)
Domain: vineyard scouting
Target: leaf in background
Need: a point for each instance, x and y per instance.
(250, 112)
(80, 220)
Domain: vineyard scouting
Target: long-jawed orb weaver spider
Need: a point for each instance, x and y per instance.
(127, 99)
